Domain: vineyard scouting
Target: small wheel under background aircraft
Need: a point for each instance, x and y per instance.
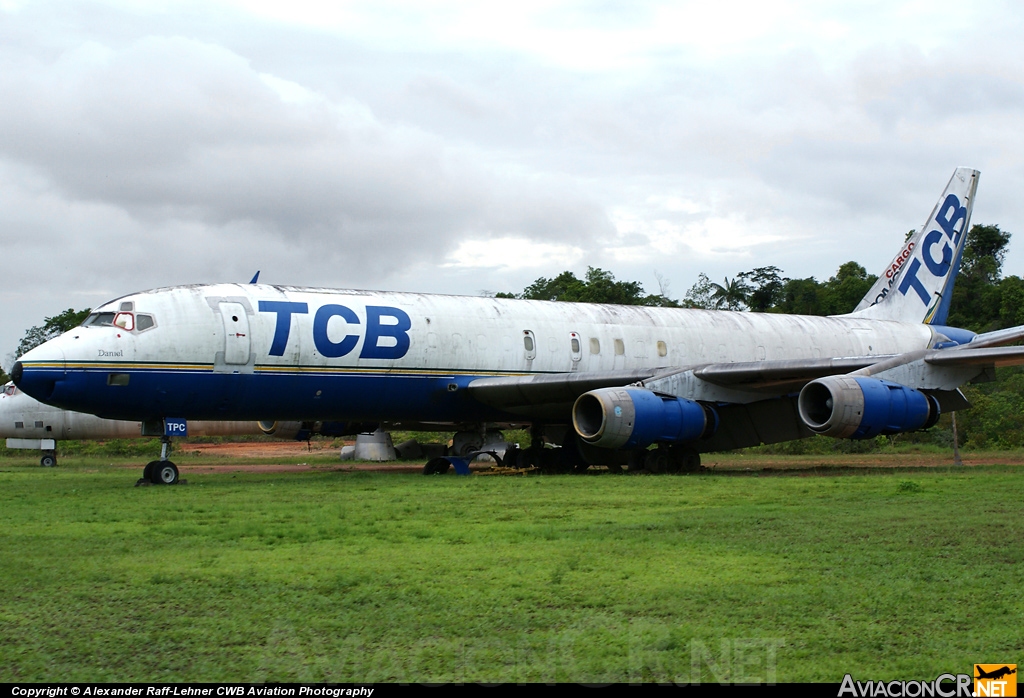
(48, 460)
(161, 472)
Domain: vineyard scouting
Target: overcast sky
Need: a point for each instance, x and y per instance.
(466, 147)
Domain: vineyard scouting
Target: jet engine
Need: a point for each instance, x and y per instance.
(301, 431)
(854, 407)
(289, 431)
(635, 417)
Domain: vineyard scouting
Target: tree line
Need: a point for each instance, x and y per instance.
(983, 300)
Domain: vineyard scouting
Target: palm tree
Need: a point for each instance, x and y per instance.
(732, 295)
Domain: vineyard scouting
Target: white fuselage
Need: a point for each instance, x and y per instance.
(236, 351)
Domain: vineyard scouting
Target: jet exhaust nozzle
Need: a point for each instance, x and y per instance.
(636, 418)
(855, 407)
(289, 431)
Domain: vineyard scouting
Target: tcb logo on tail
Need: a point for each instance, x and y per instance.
(950, 213)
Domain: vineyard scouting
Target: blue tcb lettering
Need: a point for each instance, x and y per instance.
(950, 214)
(395, 334)
(387, 329)
(323, 343)
(284, 310)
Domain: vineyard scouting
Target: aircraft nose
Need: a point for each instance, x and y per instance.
(39, 370)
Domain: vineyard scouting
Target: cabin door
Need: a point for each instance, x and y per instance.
(237, 342)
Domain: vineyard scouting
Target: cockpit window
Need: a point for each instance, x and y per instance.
(99, 320)
(126, 321)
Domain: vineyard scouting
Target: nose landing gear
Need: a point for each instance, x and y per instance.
(163, 471)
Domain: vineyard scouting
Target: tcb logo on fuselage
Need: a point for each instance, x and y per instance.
(950, 214)
(382, 322)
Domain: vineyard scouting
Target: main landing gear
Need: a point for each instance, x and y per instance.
(163, 471)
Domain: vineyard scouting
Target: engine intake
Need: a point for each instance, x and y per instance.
(855, 407)
(635, 417)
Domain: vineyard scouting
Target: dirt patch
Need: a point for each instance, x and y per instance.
(263, 449)
(300, 467)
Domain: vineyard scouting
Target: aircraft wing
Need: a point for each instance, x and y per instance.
(552, 395)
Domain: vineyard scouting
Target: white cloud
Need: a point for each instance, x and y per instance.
(513, 253)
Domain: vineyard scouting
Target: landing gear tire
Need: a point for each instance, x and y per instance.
(437, 466)
(658, 461)
(48, 460)
(637, 458)
(147, 472)
(571, 458)
(511, 457)
(691, 462)
(164, 472)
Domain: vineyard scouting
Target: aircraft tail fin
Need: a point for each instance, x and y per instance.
(887, 279)
(918, 284)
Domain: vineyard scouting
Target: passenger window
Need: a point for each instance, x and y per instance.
(126, 321)
(575, 346)
(144, 322)
(530, 345)
(620, 347)
(595, 345)
(662, 349)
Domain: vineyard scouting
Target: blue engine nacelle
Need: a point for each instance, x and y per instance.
(854, 407)
(634, 417)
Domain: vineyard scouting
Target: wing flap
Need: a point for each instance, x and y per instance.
(759, 375)
(557, 391)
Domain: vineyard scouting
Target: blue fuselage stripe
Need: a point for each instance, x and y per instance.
(154, 393)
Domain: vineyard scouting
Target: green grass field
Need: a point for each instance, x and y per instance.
(331, 576)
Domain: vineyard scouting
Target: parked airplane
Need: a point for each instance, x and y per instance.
(29, 424)
(604, 381)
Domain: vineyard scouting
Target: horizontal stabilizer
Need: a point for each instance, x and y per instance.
(983, 356)
(996, 338)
